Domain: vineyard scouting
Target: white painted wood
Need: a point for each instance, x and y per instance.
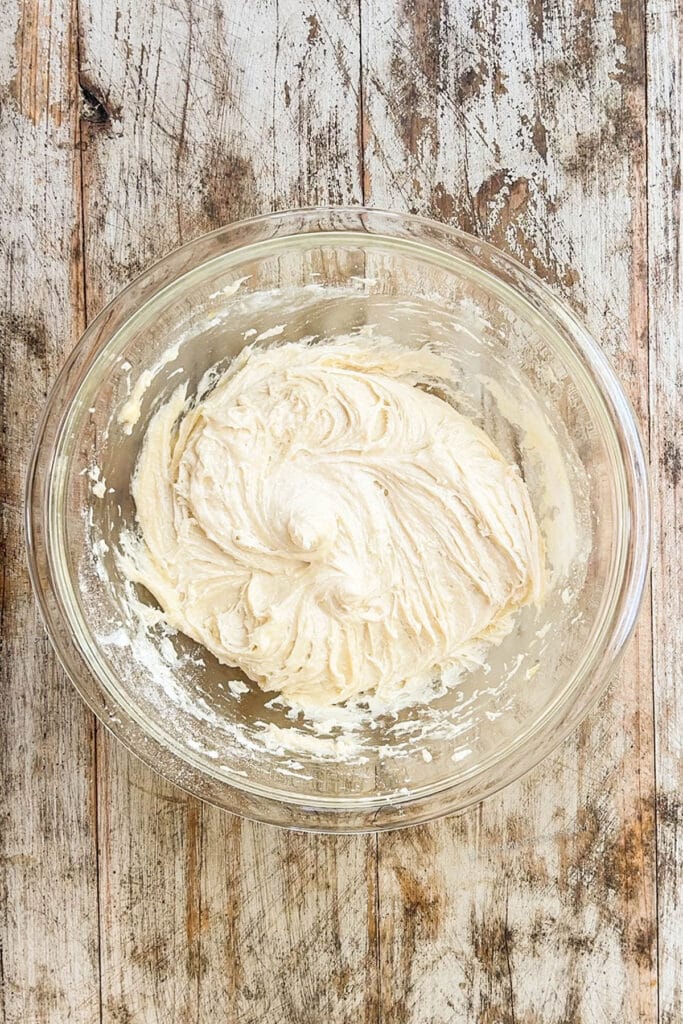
(524, 123)
(288, 927)
(48, 893)
(665, 126)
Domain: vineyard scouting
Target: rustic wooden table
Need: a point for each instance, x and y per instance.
(552, 129)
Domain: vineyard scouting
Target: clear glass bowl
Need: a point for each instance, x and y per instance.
(523, 367)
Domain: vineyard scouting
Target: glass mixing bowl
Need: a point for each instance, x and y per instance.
(522, 367)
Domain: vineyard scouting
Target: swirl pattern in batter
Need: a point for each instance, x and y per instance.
(322, 522)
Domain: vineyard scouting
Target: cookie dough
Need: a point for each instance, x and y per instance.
(323, 522)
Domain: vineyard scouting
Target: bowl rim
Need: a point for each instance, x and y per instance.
(299, 813)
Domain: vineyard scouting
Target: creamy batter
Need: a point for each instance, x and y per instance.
(321, 521)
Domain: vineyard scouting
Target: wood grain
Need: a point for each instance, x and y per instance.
(665, 124)
(129, 128)
(288, 925)
(48, 909)
(527, 127)
(202, 116)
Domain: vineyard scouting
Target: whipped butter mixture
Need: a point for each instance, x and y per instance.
(323, 522)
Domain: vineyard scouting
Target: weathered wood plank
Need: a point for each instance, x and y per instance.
(202, 115)
(665, 123)
(48, 911)
(525, 124)
(288, 926)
